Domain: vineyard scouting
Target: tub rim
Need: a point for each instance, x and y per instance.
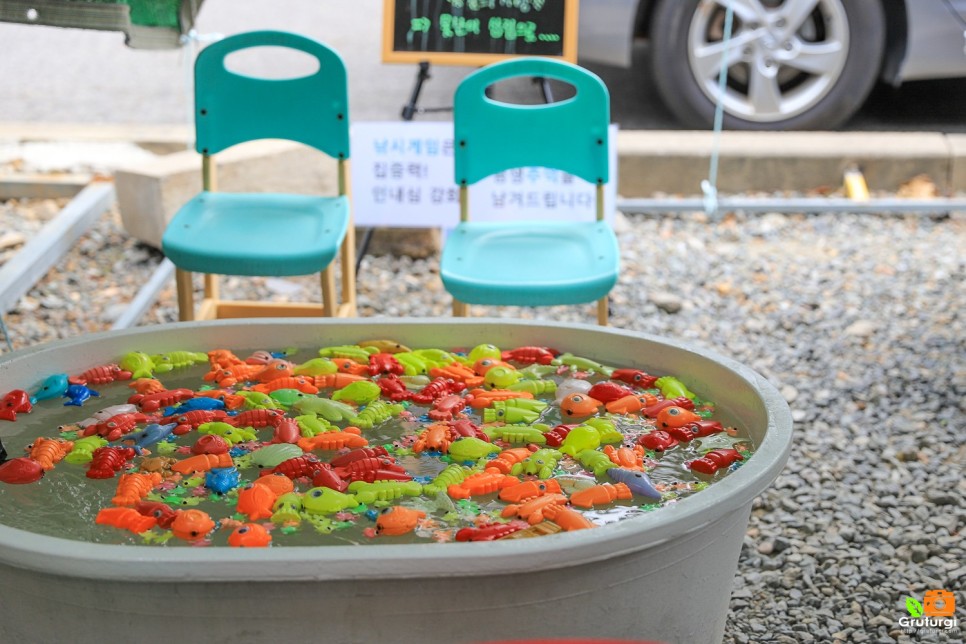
(65, 557)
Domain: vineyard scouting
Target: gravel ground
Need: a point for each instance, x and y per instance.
(858, 320)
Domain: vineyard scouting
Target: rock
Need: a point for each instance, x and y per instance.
(666, 301)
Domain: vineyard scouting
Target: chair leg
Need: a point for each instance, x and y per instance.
(186, 300)
(329, 307)
(602, 305)
(460, 309)
(349, 271)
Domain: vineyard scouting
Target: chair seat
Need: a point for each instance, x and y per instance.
(256, 233)
(487, 262)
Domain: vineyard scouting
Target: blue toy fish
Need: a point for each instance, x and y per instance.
(54, 386)
(150, 435)
(195, 404)
(78, 394)
(637, 482)
(222, 479)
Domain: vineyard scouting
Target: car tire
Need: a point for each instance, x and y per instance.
(765, 53)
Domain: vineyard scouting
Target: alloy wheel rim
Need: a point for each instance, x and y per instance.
(784, 56)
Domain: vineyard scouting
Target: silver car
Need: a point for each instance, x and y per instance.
(792, 64)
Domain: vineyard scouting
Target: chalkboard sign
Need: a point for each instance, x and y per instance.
(477, 32)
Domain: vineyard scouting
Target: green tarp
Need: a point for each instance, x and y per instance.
(147, 24)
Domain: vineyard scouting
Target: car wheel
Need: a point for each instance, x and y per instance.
(792, 64)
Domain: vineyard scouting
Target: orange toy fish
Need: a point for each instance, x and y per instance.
(630, 404)
(125, 519)
(202, 463)
(191, 525)
(134, 486)
(346, 365)
(250, 535)
(600, 495)
(577, 405)
(277, 483)
(671, 417)
(276, 369)
(49, 451)
(567, 518)
(398, 520)
(255, 500)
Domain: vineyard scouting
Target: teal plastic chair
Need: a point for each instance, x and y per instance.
(266, 234)
(523, 262)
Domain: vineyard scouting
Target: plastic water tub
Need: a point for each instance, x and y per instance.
(664, 576)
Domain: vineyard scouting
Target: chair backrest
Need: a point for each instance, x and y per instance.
(232, 108)
(569, 135)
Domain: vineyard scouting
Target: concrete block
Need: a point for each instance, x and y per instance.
(149, 194)
(957, 169)
(677, 162)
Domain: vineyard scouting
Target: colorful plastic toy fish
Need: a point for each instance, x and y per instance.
(255, 501)
(149, 436)
(361, 392)
(250, 535)
(221, 480)
(77, 395)
(20, 470)
(331, 410)
(196, 404)
(671, 387)
(579, 406)
(13, 403)
(471, 449)
(637, 482)
(325, 500)
(192, 525)
(53, 386)
(398, 520)
(138, 364)
(580, 438)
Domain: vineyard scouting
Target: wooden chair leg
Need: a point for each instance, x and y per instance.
(329, 306)
(460, 309)
(186, 300)
(602, 305)
(349, 271)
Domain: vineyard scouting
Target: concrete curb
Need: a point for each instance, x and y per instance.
(675, 162)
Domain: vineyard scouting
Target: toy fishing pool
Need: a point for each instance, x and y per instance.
(664, 574)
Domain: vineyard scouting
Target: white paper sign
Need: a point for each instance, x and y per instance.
(402, 176)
